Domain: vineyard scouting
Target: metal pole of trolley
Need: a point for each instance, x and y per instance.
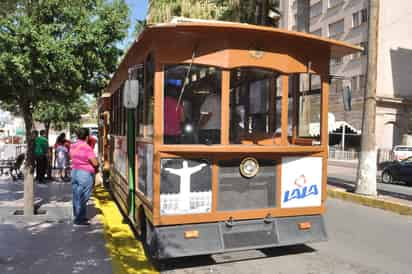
(130, 99)
(131, 156)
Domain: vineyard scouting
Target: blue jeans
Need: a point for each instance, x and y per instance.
(82, 184)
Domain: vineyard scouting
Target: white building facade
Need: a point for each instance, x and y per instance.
(394, 86)
(347, 20)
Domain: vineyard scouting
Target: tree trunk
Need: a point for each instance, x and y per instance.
(366, 181)
(29, 166)
(47, 128)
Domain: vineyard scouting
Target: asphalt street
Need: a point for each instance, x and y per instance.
(362, 240)
(347, 175)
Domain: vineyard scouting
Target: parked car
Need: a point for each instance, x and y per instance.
(402, 152)
(398, 171)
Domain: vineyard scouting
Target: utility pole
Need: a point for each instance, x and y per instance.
(366, 181)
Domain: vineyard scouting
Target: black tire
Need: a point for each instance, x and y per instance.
(142, 229)
(145, 226)
(387, 177)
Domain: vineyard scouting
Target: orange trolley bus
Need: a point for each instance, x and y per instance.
(215, 136)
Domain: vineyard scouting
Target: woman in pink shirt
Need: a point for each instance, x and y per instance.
(84, 165)
(173, 116)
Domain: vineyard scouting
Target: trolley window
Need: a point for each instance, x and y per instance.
(255, 106)
(192, 104)
(148, 98)
(137, 73)
(118, 116)
(305, 93)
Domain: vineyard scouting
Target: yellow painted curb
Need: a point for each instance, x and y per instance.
(370, 201)
(126, 251)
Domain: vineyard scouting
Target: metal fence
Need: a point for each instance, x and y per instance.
(11, 151)
(343, 155)
(383, 155)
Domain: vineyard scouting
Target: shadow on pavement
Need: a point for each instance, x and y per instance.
(231, 257)
(52, 192)
(52, 247)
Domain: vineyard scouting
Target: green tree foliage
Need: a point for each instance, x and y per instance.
(7, 6)
(244, 11)
(51, 50)
(161, 11)
(139, 27)
(58, 114)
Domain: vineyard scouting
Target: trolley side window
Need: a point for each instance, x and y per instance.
(192, 104)
(138, 74)
(148, 98)
(255, 106)
(305, 103)
(117, 114)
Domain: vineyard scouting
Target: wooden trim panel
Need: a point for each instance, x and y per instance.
(239, 149)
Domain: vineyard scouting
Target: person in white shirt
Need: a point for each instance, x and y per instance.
(209, 123)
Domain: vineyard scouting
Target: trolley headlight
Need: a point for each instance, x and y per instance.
(249, 167)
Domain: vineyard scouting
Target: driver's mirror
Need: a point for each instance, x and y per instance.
(131, 93)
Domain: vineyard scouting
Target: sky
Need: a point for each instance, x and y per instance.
(138, 10)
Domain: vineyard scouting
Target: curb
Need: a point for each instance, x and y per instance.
(399, 208)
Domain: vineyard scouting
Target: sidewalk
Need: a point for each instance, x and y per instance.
(341, 185)
(48, 243)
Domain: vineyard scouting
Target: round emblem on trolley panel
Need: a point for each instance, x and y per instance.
(249, 167)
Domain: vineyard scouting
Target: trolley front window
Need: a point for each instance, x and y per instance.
(192, 105)
(306, 95)
(255, 106)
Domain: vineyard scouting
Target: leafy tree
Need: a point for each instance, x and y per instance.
(7, 6)
(163, 10)
(139, 27)
(244, 11)
(59, 114)
(51, 50)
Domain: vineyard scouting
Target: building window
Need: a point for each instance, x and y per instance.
(357, 55)
(355, 20)
(316, 9)
(362, 81)
(364, 16)
(336, 61)
(359, 17)
(354, 83)
(336, 28)
(317, 32)
(334, 3)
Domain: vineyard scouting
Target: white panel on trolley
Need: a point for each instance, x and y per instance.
(301, 182)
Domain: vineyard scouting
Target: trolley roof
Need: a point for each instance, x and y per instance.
(208, 29)
(338, 48)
